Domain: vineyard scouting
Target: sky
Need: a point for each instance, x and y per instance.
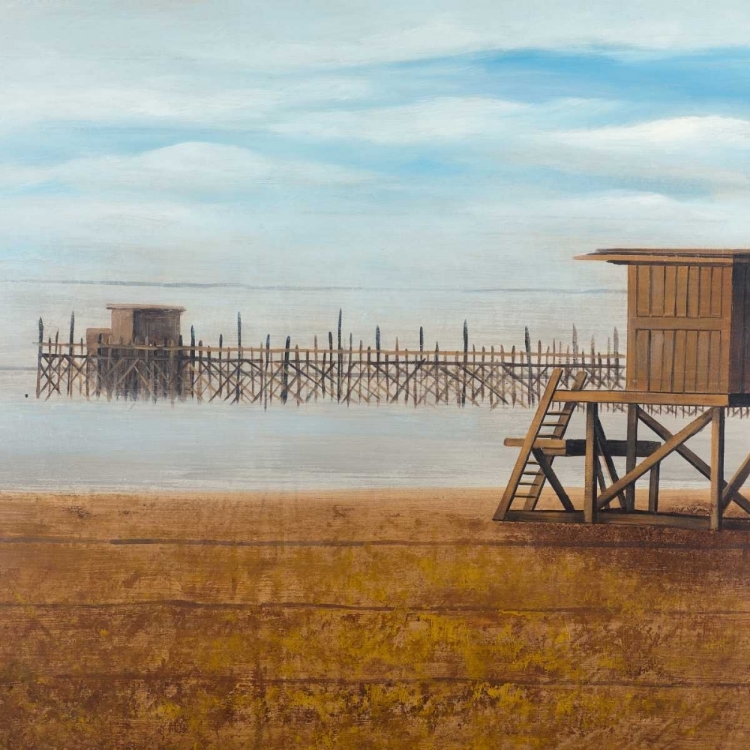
(432, 145)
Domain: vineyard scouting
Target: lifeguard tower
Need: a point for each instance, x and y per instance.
(688, 346)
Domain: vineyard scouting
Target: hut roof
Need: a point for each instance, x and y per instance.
(721, 256)
(159, 308)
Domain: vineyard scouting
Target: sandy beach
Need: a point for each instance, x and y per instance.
(353, 619)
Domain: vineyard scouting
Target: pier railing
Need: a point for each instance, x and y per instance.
(345, 373)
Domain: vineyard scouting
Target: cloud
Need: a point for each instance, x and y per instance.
(438, 119)
(713, 150)
(95, 99)
(185, 169)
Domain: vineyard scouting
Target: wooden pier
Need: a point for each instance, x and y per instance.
(339, 371)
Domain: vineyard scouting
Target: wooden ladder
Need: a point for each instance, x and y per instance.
(533, 468)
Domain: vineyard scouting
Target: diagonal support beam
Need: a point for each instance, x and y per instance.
(658, 455)
(609, 462)
(549, 472)
(731, 489)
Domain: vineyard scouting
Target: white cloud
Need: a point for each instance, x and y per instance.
(438, 119)
(182, 170)
(713, 150)
(92, 98)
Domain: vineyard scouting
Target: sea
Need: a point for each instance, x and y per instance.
(74, 445)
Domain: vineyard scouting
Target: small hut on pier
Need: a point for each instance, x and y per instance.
(138, 324)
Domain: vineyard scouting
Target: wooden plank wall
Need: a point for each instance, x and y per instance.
(680, 327)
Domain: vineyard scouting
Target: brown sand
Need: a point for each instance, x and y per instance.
(403, 619)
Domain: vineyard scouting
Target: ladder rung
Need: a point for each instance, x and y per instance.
(524, 497)
(530, 473)
(526, 484)
(557, 412)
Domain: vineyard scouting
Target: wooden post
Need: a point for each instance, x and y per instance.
(616, 347)
(653, 490)
(285, 375)
(268, 390)
(484, 378)
(238, 369)
(39, 359)
(717, 466)
(299, 377)
(70, 352)
(369, 373)
(315, 358)
(198, 376)
(590, 479)
(85, 368)
(466, 363)
(192, 379)
(530, 372)
(340, 360)
(330, 367)
(630, 455)
(349, 371)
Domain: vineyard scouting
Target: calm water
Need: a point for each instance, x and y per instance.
(78, 445)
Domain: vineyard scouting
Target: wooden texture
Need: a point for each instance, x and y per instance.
(295, 375)
(577, 447)
(375, 620)
(688, 327)
(681, 347)
(646, 398)
(591, 463)
(527, 446)
(658, 455)
(631, 452)
(543, 441)
(717, 467)
(731, 490)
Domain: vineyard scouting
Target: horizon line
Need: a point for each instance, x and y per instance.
(311, 288)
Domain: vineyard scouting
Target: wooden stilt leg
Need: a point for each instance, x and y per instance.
(717, 466)
(630, 456)
(653, 490)
(590, 478)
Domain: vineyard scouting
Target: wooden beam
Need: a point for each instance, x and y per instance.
(610, 464)
(528, 444)
(548, 471)
(734, 523)
(631, 452)
(731, 490)
(643, 518)
(619, 518)
(589, 487)
(575, 447)
(658, 455)
(653, 489)
(717, 467)
(545, 516)
(643, 397)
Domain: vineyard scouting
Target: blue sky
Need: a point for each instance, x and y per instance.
(438, 144)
